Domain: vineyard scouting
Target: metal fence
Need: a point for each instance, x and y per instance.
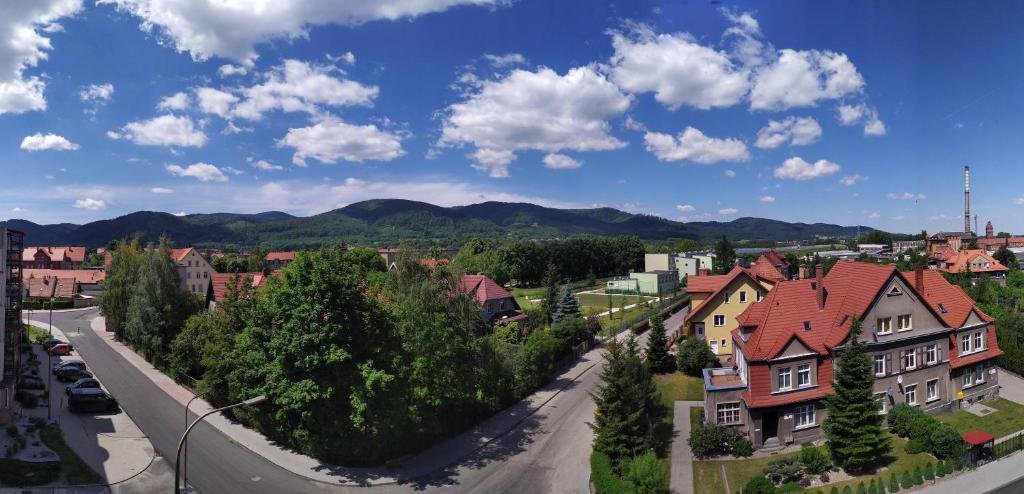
(1008, 446)
(639, 320)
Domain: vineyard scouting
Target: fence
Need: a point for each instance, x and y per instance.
(639, 321)
(1008, 446)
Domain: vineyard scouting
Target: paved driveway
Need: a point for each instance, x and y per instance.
(1011, 386)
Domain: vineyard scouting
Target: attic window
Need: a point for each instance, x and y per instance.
(807, 325)
(814, 285)
(895, 291)
(942, 308)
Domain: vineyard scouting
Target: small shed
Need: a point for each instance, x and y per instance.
(981, 444)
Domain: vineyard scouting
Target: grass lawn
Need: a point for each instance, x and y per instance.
(75, 470)
(37, 335)
(679, 387)
(1008, 418)
(707, 475)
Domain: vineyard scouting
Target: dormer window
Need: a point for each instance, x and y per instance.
(883, 325)
(942, 309)
(903, 322)
(807, 325)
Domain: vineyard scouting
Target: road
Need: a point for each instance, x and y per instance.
(547, 452)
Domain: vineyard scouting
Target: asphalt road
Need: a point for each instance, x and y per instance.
(548, 452)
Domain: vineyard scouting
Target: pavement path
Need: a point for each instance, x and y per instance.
(681, 479)
(545, 451)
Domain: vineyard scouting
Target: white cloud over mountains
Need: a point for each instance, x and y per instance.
(694, 146)
(204, 172)
(23, 45)
(332, 139)
(796, 168)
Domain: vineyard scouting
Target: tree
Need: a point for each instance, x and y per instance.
(894, 486)
(725, 256)
(759, 485)
(535, 361)
(646, 473)
(550, 301)
(853, 429)
(657, 345)
(568, 305)
(628, 404)
(1004, 256)
(122, 276)
(693, 356)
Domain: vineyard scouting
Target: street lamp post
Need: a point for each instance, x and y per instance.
(184, 466)
(177, 456)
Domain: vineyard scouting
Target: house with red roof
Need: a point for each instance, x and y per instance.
(717, 300)
(53, 257)
(279, 259)
(976, 261)
(193, 269)
(931, 347)
(498, 305)
(221, 283)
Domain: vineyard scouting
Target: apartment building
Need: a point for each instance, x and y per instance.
(931, 347)
(11, 247)
(193, 269)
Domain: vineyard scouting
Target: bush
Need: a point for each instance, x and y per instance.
(693, 356)
(914, 446)
(929, 471)
(740, 446)
(709, 440)
(835, 490)
(814, 460)
(535, 362)
(759, 485)
(900, 417)
(647, 474)
(873, 487)
(24, 473)
(894, 486)
(921, 427)
(27, 400)
(789, 487)
(784, 470)
(946, 443)
(906, 480)
(861, 489)
(940, 469)
(847, 490)
(604, 478)
(916, 476)
(12, 430)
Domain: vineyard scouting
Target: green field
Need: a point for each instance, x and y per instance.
(679, 387)
(1007, 419)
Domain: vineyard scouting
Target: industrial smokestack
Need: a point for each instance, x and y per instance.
(967, 199)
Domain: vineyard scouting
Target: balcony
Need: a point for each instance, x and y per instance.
(724, 379)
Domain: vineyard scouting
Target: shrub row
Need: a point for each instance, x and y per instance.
(925, 433)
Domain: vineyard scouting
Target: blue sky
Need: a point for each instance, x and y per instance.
(851, 113)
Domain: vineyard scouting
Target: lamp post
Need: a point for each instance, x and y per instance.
(184, 466)
(177, 456)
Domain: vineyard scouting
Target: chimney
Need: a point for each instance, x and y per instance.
(919, 279)
(819, 289)
(703, 272)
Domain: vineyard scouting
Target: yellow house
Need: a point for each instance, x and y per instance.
(716, 301)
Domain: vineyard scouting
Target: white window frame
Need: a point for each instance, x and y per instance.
(879, 359)
(804, 417)
(968, 378)
(979, 341)
(883, 325)
(728, 296)
(899, 323)
(931, 353)
(801, 370)
(788, 372)
(910, 394)
(965, 343)
(743, 296)
(882, 398)
(931, 390)
(726, 410)
(912, 354)
(757, 295)
(979, 374)
(716, 319)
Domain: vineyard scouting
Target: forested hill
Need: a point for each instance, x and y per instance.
(395, 221)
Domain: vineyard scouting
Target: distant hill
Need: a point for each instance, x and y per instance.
(396, 221)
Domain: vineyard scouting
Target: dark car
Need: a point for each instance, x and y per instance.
(60, 349)
(66, 374)
(83, 383)
(78, 364)
(49, 343)
(91, 400)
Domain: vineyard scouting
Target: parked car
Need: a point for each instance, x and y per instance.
(70, 363)
(60, 349)
(91, 400)
(49, 343)
(87, 382)
(66, 374)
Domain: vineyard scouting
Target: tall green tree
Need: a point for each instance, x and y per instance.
(628, 404)
(853, 428)
(568, 305)
(550, 301)
(657, 346)
(1006, 257)
(725, 256)
(122, 276)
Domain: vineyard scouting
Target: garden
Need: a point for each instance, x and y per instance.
(1007, 419)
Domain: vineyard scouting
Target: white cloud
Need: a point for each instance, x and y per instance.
(48, 142)
(693, 145)
(208, 28)
(90, 204)
(177, 101)
(676, 68)
(556, 161)
(861, 113)
(331, 140)
(795, 131)
(730, 174)
(232, 170)
(96, 95)
(165, 130)
(228, 70)
(161, 190)
(958, 125)
(347, 57)
(849, 114)
(180, 213)
(874, 127)
(874, 215)
(801, 78)
(767, 199)
(501, 61)
(852, 179)
(267, 166)
(906, 196)
(1019, 201)
(796, 168)
(204, 172)
(215, 101)
(23, 45)
(728, 211)
(539, 110)
(685, 208)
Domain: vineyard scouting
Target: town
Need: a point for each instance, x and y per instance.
(510, 246)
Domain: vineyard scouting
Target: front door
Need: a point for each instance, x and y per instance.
(769, 426)
(714, 346)
(698, 330)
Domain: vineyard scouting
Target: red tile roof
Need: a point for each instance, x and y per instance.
(962, 260)
(280, 256)
(991, 351)
(716, 283)
(958, 306)
(219, 282)
(50, 287)
(88, 276)
(764, 268)
(761, 379)
(179, 254)
(483, 288)
(55, 254)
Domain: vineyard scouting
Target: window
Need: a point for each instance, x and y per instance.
(932, 389)
(206, 274)
(728, 413)
(979, 374)
(879, 365)
(700, 330)
(190, 264)
(965, 343)
(743, 296)
(723, 342)
(803, 375)
(911, 394)
(804, 416)
(188, 275)
(785, 378)
(968, 378)
(909, 359)
(979, 341)
(931, 353)
(758, 296)
(903, 322)
(727, 297)
(719, 320)
(884, 325)
(880, 400)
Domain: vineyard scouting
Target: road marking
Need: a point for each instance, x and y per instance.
(256, 479)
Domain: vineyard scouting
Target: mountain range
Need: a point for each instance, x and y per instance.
(389, 222)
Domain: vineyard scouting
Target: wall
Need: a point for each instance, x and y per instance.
(658, 262)
(195, 273)
(688, 266)
(730, 310)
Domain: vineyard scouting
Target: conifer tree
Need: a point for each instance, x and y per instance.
(894, 486)
(657, 345)
(628, 404)
(853, 429)
(547, 306)
(568, 305)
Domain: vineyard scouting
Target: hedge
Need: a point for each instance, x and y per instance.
(604, 478)
(27, 473)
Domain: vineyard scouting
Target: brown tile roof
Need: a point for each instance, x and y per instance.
(50, 287)
(87, 276)
(219, 282)
(280, 256)
(55, 254)
(963, 258)
(483, 288)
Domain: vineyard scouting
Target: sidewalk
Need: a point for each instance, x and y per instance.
(437, 457)
(111, 444)
(985, 478)
(681, 478)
